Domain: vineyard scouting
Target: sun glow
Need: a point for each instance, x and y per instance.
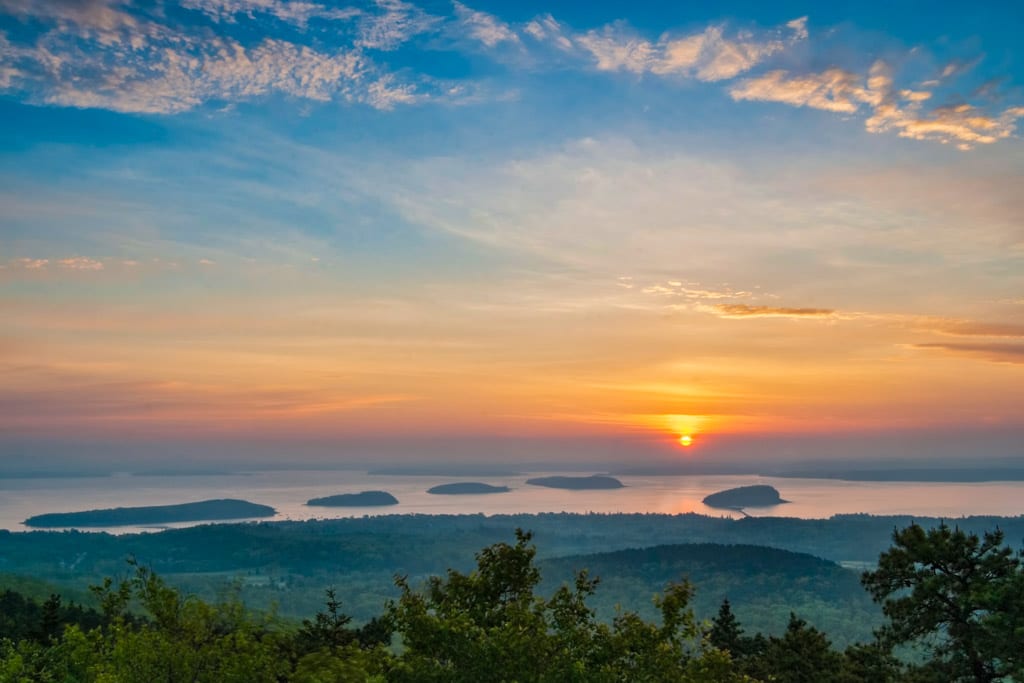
(686, 440)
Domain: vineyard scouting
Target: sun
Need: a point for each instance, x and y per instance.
(686, 440)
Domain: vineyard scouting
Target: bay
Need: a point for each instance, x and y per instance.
(288, 491)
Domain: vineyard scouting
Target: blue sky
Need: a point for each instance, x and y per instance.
(492, 220)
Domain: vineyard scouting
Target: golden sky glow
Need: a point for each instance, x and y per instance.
(569, 240)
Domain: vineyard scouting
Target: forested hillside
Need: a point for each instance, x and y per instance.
(289, 564)
(762, 584)
(956, 598)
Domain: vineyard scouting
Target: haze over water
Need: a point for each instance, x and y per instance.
(288, 491)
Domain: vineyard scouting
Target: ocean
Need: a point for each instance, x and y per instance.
(288, 491)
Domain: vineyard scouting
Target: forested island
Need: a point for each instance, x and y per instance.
(465, 488)
(206, 510)
(593, 482)
(759, 495)
(362, 499)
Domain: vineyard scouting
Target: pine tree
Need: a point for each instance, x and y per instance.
(961, 594)
(726, 633)
(50, 620)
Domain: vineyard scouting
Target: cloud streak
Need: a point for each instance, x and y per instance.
(709, 55)
(396, 24)
(222, 70)
(747, 311)
(969, 328)
(114, 55)
(997, 353)
(94, 54)
(295, 12)
(889, 108)
(484, 27)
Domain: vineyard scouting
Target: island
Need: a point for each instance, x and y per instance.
(466, 487)
(362, 499)
(202, 511)
(593, 482)
(759, 495)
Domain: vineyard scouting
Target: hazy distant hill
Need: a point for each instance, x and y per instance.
(592, 482)
(156, 514)
(446, 470)
(763, 584)
(917, 474)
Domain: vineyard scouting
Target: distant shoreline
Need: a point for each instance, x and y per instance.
(908, 475)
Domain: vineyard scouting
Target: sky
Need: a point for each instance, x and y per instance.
(538, 231)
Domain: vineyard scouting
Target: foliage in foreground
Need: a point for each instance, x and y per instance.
(959, 596)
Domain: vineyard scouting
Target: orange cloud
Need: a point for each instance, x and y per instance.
(745, 311)
(968, 328)
(997, 353)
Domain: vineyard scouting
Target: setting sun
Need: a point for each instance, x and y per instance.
(685, 440)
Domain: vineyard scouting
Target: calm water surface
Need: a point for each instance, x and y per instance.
(288, 492)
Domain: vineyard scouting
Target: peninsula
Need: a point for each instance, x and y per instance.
(466, 487)
(759, 495)
(206, 510)
(362, 499)
(593, 482)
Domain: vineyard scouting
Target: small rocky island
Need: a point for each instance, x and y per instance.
(202, 511)
(760, 495)
(466, 487)
(593, 482)
(362, 499)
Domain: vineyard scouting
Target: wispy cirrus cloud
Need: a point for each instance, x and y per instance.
(713, 54)
(117, 55)
(107, 266)
(546, 28)
(222, 70)
(8, 72)
(597, 203)
(98, 54)
(831, 90)
(484, 27)
(964, 124)
(386, 92)
(106, 21)
(295, 12)
(888, 107)
(689, 290)
(394, 24)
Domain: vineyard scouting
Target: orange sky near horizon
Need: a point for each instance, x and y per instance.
(616, 362)
(603, 224)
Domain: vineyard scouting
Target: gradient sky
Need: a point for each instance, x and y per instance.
(462, 227)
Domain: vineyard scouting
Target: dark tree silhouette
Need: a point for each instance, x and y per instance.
(726, 633)
(958, 594)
